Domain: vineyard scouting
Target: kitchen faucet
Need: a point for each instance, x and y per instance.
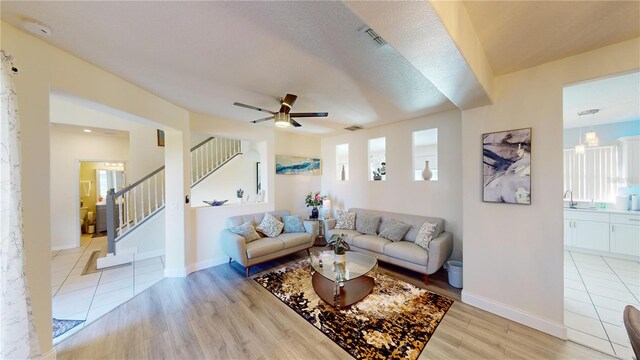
(572, 204)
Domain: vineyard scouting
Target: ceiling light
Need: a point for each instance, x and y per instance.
(87, 130)
(282, 120)
(36, 27)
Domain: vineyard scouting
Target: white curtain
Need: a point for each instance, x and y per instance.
(17, 331)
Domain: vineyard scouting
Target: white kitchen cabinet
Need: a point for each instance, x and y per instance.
(625, 239)
(591, 235)
(568, 232)
(630, 151)
(625, 234)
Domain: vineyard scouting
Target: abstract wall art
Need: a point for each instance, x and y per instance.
(297, 165)
(507, 166)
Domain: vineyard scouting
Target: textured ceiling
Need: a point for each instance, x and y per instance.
(520, 34)
(617, 97)
(206, 55)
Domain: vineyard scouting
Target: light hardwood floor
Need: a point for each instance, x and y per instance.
(219, 314)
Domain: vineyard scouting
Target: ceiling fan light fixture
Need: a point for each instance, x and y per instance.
(282, 120)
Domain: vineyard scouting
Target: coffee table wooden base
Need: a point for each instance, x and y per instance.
(352, 291)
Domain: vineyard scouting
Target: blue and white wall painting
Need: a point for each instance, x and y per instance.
(296, 165)
(507, 166)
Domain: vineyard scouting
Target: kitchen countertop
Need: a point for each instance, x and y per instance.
(610, 211)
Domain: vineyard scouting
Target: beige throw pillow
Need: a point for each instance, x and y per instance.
(425, 235)
(345, 220)
(270, 226)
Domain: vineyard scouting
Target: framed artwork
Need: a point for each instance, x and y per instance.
(297, 165)
(160, 137)
(506, 167)
(258, 177)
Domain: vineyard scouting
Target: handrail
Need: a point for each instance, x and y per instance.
(202, 143)
(133, 205)
(138, 182)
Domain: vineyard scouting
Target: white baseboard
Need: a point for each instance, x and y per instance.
(517, 315)
(149, 254)
(50, 355)
(204, 264)
(175, 272)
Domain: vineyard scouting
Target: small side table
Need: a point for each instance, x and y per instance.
(320, 239)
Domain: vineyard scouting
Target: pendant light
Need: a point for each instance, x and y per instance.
(580, 146)
(591, 138)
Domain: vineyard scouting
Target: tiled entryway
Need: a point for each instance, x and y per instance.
(596, 290)
(88, 297)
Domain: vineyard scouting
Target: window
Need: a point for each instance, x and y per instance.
(592, 175)
(425, 149)
(342, 162)
(377, 161)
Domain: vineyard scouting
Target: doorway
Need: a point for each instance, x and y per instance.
(601, 228)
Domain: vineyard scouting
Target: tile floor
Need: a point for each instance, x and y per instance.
(596, 290)
(88, 297)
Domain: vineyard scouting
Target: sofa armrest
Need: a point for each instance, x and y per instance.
(234, 246)
(329, 224)
(440, 249)
(311, 227)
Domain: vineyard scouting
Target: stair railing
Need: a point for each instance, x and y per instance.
(133, 205)
(210, 155)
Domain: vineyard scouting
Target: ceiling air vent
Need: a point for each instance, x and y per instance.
(377, 38)
(354, 128)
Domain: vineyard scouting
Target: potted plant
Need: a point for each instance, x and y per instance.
(339, 247)
(240, 193)
(377, 176)
(314, 200)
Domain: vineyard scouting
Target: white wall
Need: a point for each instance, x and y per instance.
(399, 192)
(513, 254)
(67, 149)
(44, 68)
(292, 189)
(238, 173)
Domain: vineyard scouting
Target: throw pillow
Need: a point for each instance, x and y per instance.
(425, 235)
(270, 226)
(345, 220)
(246, 230)
(395, 230)
(293, 224)
(367, 224)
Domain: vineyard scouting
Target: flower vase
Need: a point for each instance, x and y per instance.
(340, 259)
(343, 175)
(426, 173)
(314, 213)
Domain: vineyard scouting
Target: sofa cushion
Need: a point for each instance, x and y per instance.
(367, 224)
(246, 230)
(407, 251)
(293, 224)
(349, 234)
(395, 231)
(426, 234)
(270, 226)
(264, 246)
(371, 242)
(415, 221)
(294, 239)
(256, 218)
(345, 220)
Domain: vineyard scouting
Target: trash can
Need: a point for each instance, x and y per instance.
(454, 268)
(92, 229)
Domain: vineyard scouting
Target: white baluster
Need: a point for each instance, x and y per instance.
(149, 195)
(119, 214)
(135, 207)
(163, 180)
(155, 188)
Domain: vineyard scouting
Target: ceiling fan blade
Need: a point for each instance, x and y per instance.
(314, 114)
(263, 119)
(287, 103)
(253, 107)
(294, 123)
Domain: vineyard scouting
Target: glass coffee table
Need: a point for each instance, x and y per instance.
(343, 284)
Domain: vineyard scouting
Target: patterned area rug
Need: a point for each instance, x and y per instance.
(395, 321)
(60, 327)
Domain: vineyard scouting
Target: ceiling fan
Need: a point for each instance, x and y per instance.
(283, 117)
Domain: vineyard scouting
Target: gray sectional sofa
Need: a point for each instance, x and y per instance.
(266, 248)
(404, 253)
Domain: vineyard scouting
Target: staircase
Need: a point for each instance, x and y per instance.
(132, 206)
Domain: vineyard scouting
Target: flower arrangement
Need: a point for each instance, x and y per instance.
(314, 199)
